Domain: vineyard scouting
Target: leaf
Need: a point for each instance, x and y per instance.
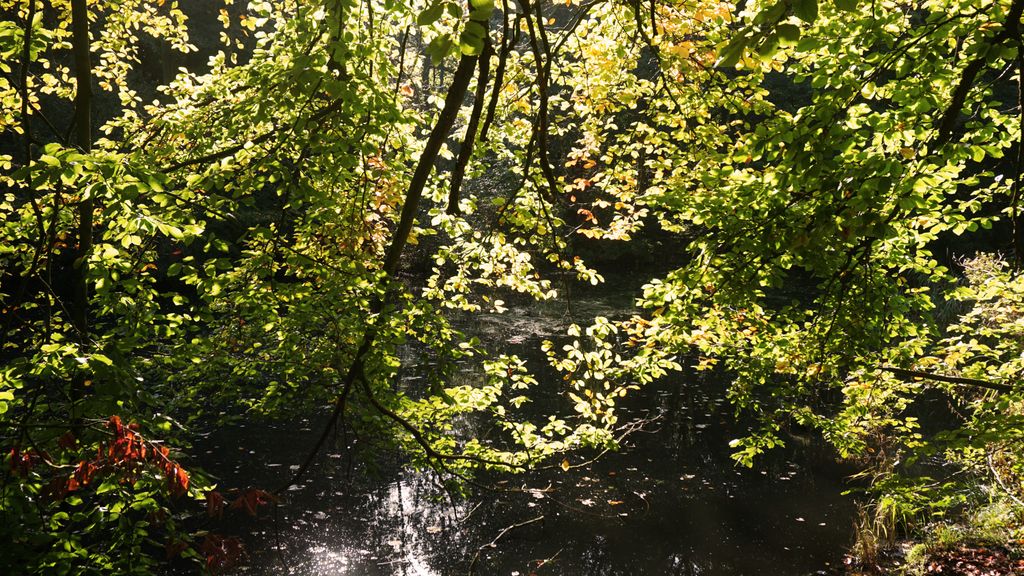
(565, 464)
(847, 5)
(770, 15)
(789, 34)
(471, 41)
(430, 14)
(480, 10)
(730, 55)
(768, 46)
(439, 47)
(806, 10)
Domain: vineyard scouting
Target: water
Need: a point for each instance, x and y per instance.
(671, 502)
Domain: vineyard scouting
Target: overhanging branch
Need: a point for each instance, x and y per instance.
(916, 375)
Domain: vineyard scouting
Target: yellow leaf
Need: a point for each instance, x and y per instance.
(565, 465)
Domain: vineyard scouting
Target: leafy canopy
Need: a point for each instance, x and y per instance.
(237, 238)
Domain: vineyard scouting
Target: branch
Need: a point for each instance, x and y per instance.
(452, 103)
(417, 434)
(542, 57)
(231, 150)
(948, 121)
(354, 370)
(499, 75)
(449, 113)
(915, 374)
(1015, 224)
(466, 150)
(500, 535)
(83, 126)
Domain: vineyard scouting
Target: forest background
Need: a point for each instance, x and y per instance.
(315, 189)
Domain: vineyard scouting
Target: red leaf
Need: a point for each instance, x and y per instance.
(221, 553)
(182, 479)
(252, 499)
(214, 504)
(67, 441)
(174, 548)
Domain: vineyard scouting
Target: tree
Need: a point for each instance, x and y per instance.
(896, 149)
(241, 243)
(232, 243)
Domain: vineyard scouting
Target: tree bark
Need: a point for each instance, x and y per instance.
(83, 139)
(466, 151)
(452, 103)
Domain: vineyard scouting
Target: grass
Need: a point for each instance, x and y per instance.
(996, 524)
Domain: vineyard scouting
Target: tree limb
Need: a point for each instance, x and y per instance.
(949, 118)
(466, 150)
(915, 374)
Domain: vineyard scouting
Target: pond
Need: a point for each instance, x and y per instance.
(671, 502)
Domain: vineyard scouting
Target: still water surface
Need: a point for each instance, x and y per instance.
(671, 502)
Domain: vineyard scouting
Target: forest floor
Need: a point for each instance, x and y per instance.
(921, 559)
(975, 561)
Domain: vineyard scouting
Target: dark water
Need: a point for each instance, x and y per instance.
(671, 502)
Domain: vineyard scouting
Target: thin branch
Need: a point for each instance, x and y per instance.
(915, 374)
(499, 74)
(420, 439)
(1018, 242)
(999, 480)
(466, 150)
(232, 150)
(410, 207)
(494, 543)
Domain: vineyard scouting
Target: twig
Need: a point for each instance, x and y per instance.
(494, 543)
(999, 480)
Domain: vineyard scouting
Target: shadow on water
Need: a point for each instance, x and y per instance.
(671, 502)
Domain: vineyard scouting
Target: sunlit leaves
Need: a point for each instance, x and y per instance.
(430, 14)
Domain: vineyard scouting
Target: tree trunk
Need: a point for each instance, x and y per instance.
(83, 139)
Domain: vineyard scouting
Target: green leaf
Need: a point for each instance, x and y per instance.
(771, 15)
(480, 10)
(806, 10)
(102, 359)
(847, 5)
(768, 45)
(471, 41)
(789, 34)
(730, 55)
(430, 14)
(439, 47)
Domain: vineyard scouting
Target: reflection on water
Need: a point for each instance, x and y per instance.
(671, 502)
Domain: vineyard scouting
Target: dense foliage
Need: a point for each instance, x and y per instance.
(236, 244)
